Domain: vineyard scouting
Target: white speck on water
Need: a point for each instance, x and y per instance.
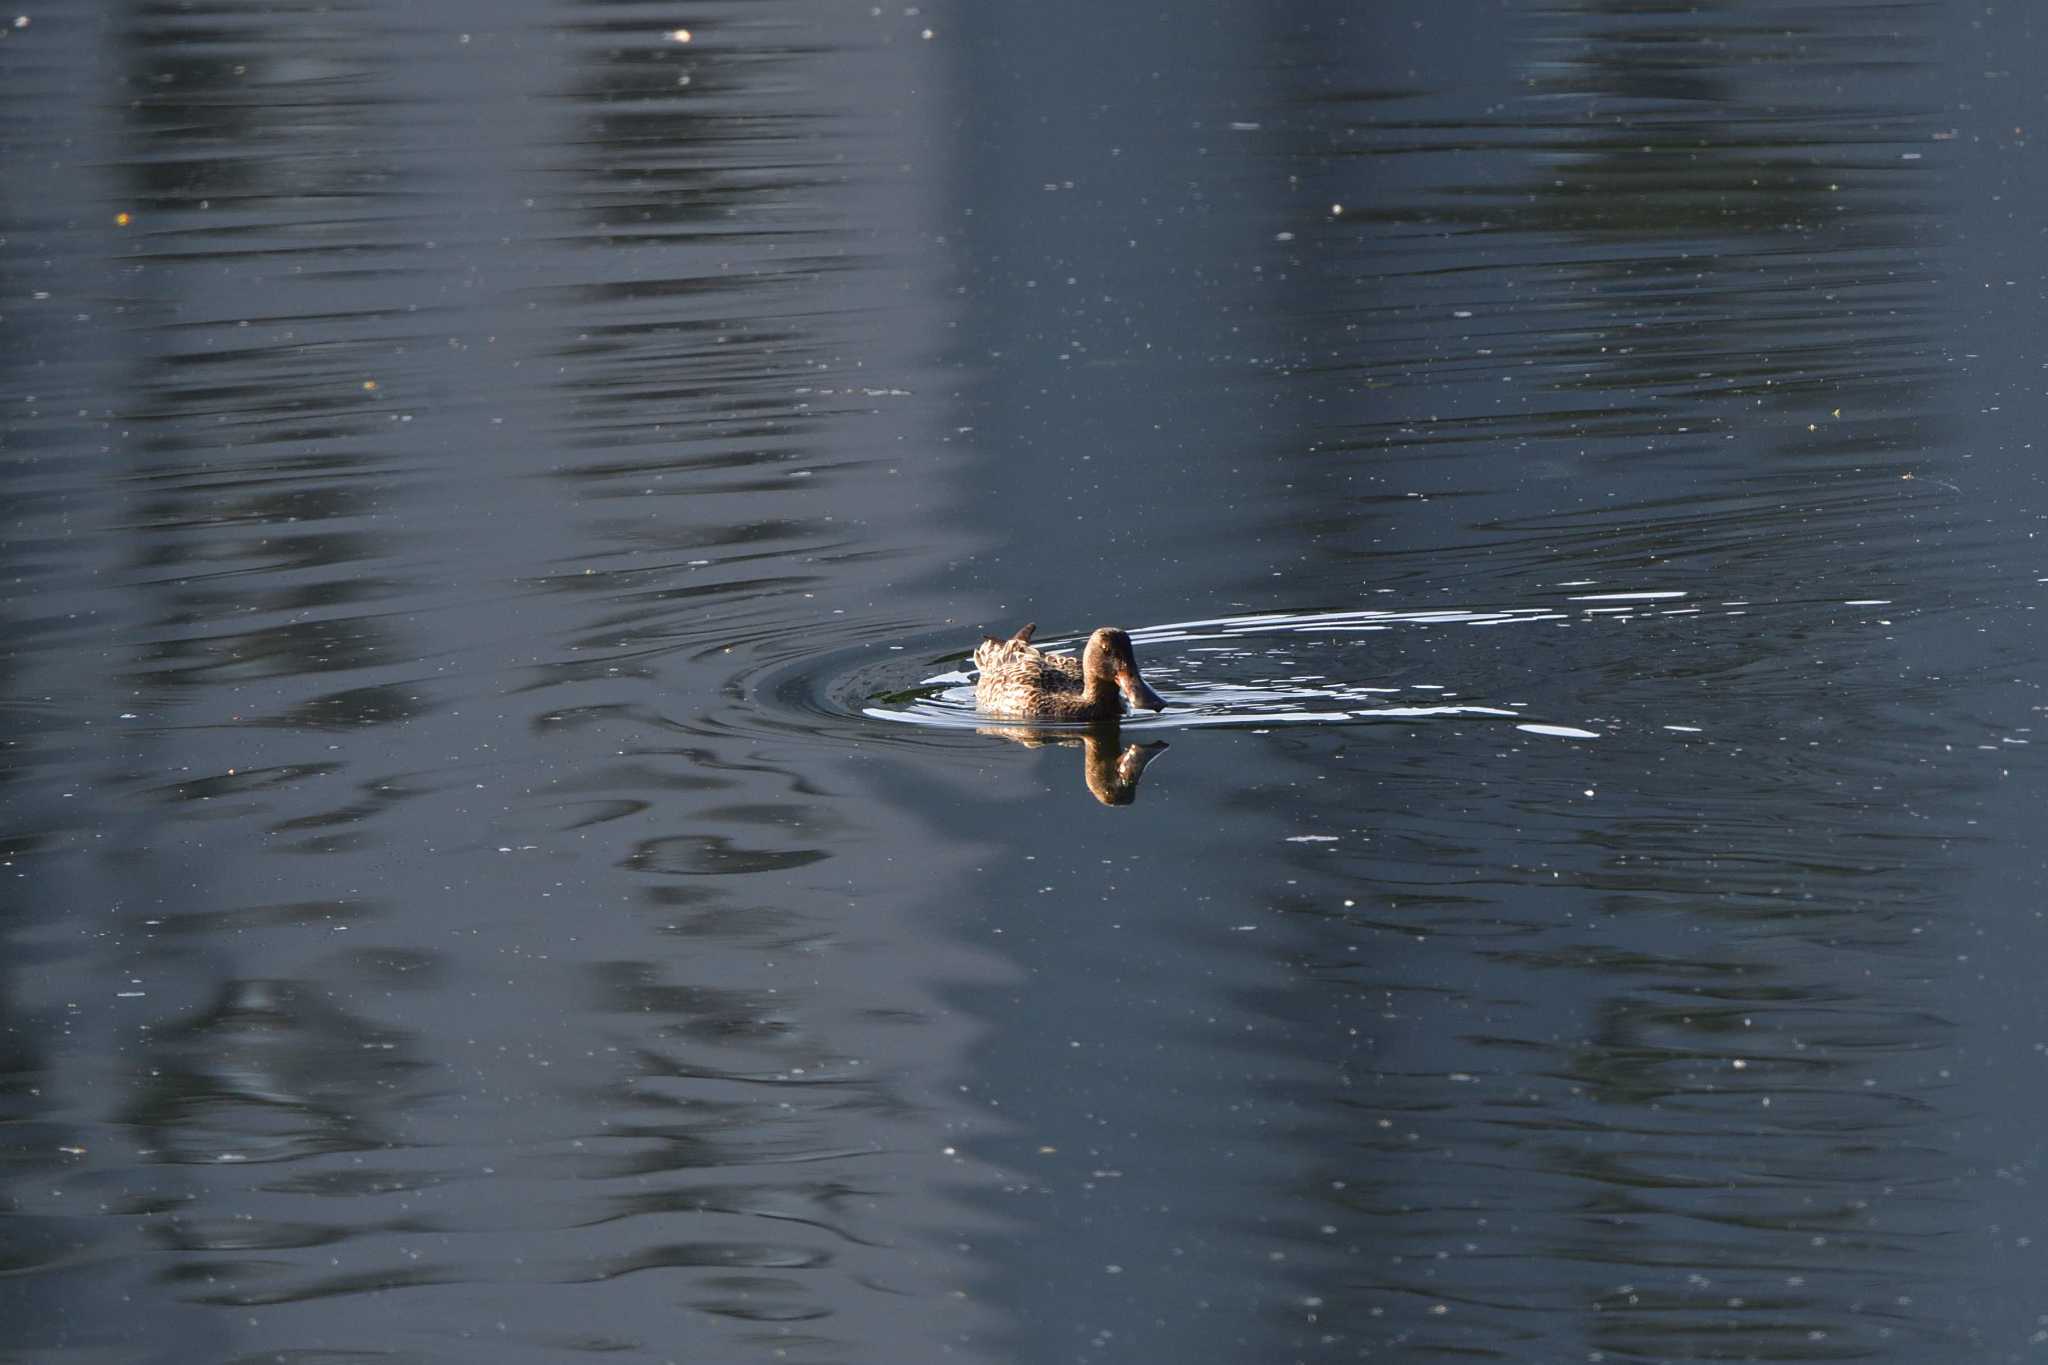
(1311, 838)
(1868, 602)
(1685, 729)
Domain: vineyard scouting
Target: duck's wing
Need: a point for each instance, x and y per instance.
(1018, 680)
(1020, 663)
(999, 656)
(1019, 657)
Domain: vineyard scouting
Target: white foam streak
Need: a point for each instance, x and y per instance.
(1626, 597)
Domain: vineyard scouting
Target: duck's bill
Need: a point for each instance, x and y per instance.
(1137, 694)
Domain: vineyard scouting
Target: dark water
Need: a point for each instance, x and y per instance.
(497, 864)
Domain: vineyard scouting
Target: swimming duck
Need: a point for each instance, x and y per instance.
(1022, 682)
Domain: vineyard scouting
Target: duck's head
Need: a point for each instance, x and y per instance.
(1108, 656)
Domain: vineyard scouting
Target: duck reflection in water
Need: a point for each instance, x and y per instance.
(1109, 767)
(1022, 682)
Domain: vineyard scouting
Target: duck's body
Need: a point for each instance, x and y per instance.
(1021, 682)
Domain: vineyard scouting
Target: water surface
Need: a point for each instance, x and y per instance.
(501, 865)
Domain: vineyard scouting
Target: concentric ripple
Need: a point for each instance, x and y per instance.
(1272, 668)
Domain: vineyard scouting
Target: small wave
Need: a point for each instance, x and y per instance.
(1228, 671)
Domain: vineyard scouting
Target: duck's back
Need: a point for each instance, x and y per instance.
(1019, 680)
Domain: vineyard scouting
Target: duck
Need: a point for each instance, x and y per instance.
(1022, 682)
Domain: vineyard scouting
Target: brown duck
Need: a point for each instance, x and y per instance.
(1021, 682)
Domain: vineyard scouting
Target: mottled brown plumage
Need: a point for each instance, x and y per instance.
(1021, 682)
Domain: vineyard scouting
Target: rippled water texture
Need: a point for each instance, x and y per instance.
(500, 864)
(1277, 668)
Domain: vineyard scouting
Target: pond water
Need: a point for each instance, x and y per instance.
(500, 863)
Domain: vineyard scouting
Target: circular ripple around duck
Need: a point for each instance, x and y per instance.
(1254, 671)
(841, 688)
